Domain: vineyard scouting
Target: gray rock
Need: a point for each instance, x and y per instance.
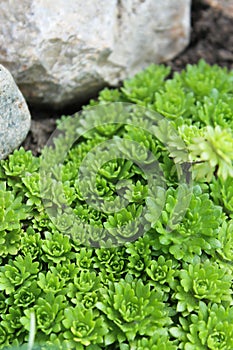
(64, 51)
(15, 117)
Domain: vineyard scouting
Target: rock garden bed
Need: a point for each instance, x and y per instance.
(116, 230)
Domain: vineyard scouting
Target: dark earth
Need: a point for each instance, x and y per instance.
(211, 39)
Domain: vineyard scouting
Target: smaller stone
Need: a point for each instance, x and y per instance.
(15, 118)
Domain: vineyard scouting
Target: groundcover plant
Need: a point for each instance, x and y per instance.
(148, 267)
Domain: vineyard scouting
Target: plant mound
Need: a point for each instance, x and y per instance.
(99, 283)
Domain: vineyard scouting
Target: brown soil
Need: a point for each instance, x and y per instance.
(211, 39)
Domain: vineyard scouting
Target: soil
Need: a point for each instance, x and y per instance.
(211, 39)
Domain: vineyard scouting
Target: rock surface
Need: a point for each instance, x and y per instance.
(63, 52)
(14, 114)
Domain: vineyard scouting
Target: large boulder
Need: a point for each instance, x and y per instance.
(64, 51)
(14, 114)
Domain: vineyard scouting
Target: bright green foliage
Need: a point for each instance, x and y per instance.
(139, 256)
(26, 295)
(215, 152)
(159, 341)
(133, 308)
(32, 190)
(49, 312)
(19, 164)
(202, 79)
(216, 109)
(174, 102)
(12, 210)
(209, 328)
(112, 263)
(56, 247)
(197, 232)
(162, 273)
(12, 213)
(222, 193)
(158, 212)
(141, 89)
(202, 281)
(83, 327)
(31, 243)
(226, 239)
(17, 272)
(123, 223)
(84, 289)
(50, 282)
(11, 323)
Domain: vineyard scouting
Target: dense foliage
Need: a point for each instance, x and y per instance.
(112, 287)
